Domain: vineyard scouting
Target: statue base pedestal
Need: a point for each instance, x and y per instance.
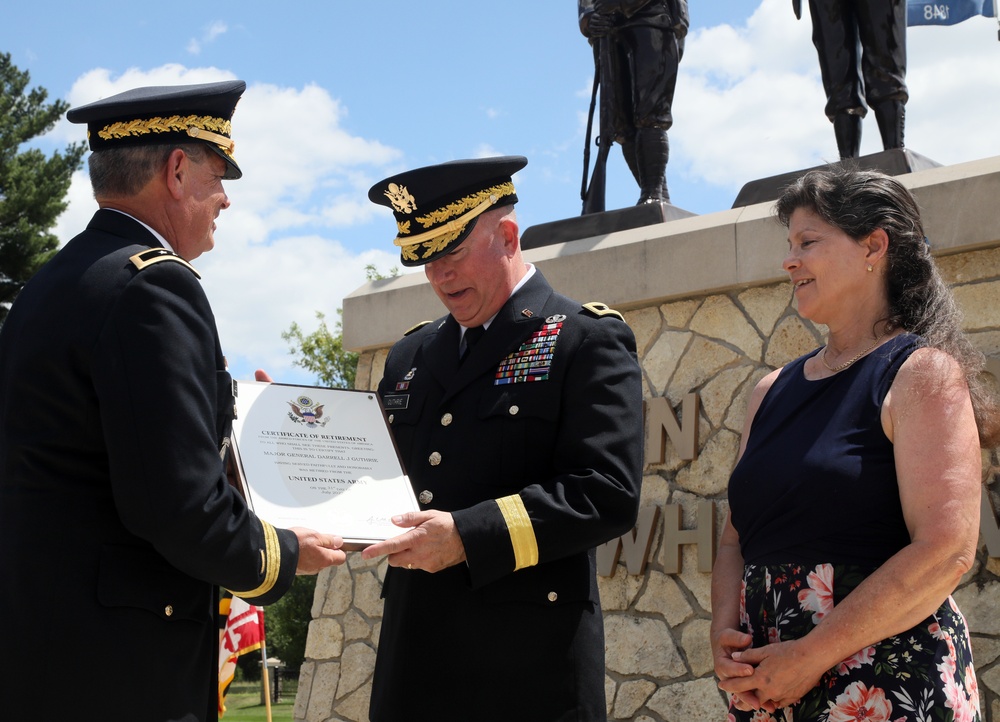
(897, 161)
(600, 224)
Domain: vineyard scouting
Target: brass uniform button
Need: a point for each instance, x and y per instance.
(447, 419)
(425, 497)
(168, 610)
(513, 410)
(392, 417)
(434, 458)
(552, 596)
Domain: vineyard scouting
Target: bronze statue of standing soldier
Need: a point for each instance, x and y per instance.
(862, 58)
(638, 45)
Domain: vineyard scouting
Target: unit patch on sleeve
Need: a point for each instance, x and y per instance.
(532, 360)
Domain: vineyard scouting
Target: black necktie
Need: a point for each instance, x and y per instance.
(472, 336)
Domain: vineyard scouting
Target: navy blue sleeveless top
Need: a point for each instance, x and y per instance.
(817, 482)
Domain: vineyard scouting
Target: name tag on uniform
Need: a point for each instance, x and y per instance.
(399, 401)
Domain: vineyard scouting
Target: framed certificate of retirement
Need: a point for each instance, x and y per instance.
(319, 458)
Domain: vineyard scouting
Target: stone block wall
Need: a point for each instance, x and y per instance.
(717, 344)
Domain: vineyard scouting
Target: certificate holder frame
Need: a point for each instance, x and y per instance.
(319, 458)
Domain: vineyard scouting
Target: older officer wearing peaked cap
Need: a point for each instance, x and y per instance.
(117, 522)
(518, 418)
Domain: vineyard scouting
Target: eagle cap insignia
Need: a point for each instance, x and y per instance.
(401, 199)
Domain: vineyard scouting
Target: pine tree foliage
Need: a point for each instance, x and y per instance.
(33, 186)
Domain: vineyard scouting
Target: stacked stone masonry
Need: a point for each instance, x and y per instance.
(658, 660)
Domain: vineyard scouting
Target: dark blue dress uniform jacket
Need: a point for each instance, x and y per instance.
(562, 454)
(116, 519)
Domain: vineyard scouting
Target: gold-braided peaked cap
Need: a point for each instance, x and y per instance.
(436, 207)
(166, 114)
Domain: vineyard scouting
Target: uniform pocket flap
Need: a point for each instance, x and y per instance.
(539, 402)
(142, 579)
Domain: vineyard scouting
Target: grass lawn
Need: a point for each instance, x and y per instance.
(243, 703)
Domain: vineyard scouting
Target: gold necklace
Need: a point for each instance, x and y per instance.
(844, 365)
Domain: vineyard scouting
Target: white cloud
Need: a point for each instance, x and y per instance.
(954, 91)
(258, 291)
(81, 206)
(485, 150)
(296, 157)
(211, 33)
(749, 101)
(215, 30)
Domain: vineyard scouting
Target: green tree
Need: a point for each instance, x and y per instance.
(32, 186)
(322, 351)
(373, 274)
(287, 622)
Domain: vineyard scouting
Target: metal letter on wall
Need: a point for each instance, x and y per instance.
(988, 526)
(674, 537)
(636, 544)
(661, 422)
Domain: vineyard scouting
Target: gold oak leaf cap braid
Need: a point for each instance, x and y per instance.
(436, 207)
(270, 564)
(522, 534)
(168, 114)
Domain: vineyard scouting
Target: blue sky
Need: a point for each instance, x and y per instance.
(343, 94)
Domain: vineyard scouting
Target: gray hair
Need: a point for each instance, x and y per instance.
(123, 172)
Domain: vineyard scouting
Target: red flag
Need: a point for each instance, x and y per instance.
(244, 632)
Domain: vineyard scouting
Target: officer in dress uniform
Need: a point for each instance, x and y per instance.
(518, 419)
(117, 522)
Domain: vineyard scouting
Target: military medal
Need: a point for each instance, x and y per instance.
(532, 360)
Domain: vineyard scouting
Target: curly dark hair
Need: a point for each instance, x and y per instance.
(860, 201)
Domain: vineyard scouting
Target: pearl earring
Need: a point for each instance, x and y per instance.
(869, 268)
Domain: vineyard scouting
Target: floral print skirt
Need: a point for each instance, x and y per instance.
(922, 675)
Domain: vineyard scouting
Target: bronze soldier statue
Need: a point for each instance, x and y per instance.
(638, 45)
(862, 57)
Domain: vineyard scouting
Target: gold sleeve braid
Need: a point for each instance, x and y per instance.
(522, 534)
(270, 562)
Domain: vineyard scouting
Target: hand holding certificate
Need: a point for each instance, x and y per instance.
(319, 458)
